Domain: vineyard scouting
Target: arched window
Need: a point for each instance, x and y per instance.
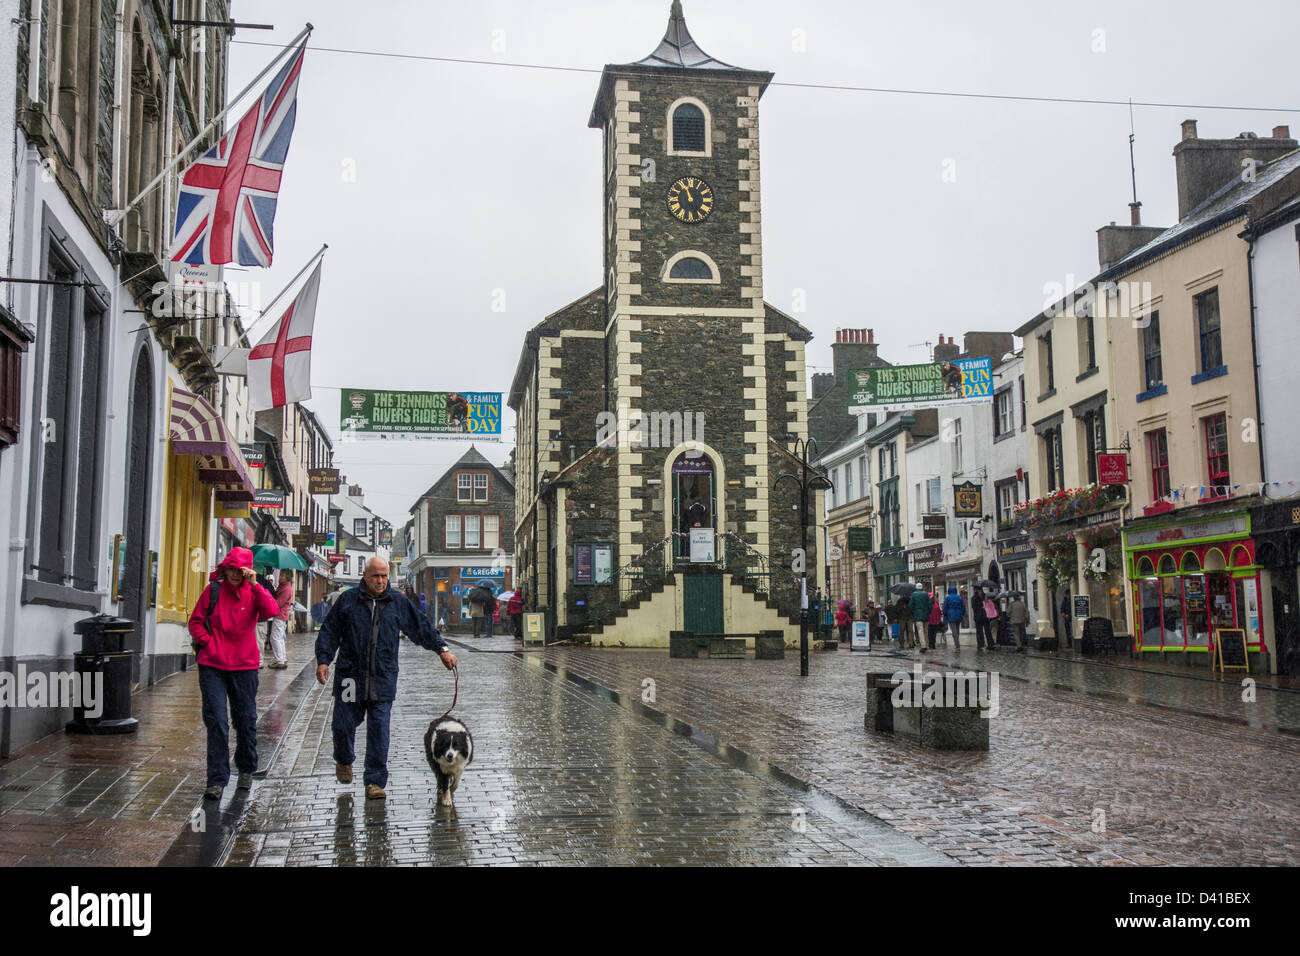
(1167, 565)
(1145, 568)
(1190, 562)
(688, 124)
(691, 268)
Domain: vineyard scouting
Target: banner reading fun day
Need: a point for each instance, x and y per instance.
(934, 385)
(378, 414)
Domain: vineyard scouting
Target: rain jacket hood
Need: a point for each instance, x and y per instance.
(954, 605)
(232, 643)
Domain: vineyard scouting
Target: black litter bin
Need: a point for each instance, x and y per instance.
(103, 669)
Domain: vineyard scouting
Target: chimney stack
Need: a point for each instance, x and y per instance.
(853, 348)
(1204, 166)
(1135, 214)
(945, 351)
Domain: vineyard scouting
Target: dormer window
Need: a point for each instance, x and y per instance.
(688, 124)
(464, 487)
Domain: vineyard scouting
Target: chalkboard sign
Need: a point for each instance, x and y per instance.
(1082, 606)
(1098, 635)
(1230, 650)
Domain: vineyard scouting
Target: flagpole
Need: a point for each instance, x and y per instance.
(248, 332)
(114, 216)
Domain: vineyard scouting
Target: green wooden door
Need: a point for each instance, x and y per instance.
(703, 603)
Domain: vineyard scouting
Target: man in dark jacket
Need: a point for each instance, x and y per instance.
(983, 633)
(363, 628)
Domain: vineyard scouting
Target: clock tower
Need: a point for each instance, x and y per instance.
(678, 334)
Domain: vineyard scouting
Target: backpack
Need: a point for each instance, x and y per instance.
(213, 590)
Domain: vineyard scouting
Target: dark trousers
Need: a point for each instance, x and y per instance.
(517, 623)
(239, 688)
(1020, 635)
(930, 631)
(983, 633)
(478, 624)
(347, 716)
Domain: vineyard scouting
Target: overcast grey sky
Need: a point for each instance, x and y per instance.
(436, 184)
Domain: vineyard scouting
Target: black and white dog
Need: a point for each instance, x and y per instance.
(449, 749)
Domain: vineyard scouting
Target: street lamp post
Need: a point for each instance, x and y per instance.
(808, 479)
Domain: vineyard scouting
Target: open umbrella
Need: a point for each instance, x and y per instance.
(988, 584)
(277, 556)
(846, 603)
(905, 589)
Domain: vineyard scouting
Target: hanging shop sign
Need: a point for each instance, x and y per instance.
(337, 558)
(230, 509)
(934, 526)
(381, 414)
(254, 455)
(932, 385)
(1112, 469)
(925, 559)
(323, 481)
(968, 500)
(890, 564)
(290, 524)
(835, 552)
(268, 499)
(860, 539)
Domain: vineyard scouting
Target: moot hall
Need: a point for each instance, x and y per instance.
(677, 333)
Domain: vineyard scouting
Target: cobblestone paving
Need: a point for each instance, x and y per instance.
(1163, 786)
(559, 777)
(73, 800)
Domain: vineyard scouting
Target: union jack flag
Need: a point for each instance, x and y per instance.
(226, 208)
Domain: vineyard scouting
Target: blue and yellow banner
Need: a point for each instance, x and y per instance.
(896, 388)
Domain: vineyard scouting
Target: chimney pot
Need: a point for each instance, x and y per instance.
(839, 335)
(1281, 132)
(871, 335)
(1189, 129)
(1135, 213)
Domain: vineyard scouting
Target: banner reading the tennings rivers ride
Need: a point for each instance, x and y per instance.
(368, 413)
(896, 388)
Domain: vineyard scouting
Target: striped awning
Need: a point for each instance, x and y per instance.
(196, 429)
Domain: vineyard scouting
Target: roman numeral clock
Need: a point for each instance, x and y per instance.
(690, 199)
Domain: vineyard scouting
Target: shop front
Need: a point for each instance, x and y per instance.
(889, 569)
(1015, 557)
(1191, 579)
(922, 565)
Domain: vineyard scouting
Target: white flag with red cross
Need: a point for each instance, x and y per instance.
(279, 366)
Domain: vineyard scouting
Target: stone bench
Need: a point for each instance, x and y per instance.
(941, 712)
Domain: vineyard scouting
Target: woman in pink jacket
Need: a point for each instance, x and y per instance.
(225, 637)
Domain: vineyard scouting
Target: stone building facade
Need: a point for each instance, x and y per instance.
(673, 386)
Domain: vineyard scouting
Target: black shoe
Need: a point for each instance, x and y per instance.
(245, 782)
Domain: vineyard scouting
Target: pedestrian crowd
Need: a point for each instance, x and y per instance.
(921, 618)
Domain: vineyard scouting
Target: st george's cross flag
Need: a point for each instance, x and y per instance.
(226, 208)
(279, 366)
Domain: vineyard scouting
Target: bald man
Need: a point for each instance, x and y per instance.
(363, 629)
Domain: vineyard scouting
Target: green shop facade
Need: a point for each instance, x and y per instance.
(1191, 577)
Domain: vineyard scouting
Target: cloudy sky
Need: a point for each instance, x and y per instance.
(446, 188)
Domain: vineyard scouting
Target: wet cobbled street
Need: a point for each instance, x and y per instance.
(602, 756)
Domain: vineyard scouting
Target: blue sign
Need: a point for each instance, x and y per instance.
(483, 573)
(455, 589)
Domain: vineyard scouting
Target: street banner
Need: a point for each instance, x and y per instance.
(895, 388)
(368, 414)
(323, 481)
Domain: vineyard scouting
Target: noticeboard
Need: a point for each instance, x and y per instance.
(1230, 650)
(533, 628)
(1082, 607)
(861, 640)
(859, 539)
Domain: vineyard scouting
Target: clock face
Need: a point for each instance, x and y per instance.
(690, 199)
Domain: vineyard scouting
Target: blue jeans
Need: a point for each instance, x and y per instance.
(240, 688)
(347, 716)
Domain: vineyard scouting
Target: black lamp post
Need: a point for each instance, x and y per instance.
(808, 479)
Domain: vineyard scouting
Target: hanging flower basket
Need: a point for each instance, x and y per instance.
(1064, 505)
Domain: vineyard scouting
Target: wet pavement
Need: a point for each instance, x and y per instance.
(580, 761)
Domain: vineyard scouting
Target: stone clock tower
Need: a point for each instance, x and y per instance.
(678, 332)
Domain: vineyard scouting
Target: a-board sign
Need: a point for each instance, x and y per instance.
(533, 628)
(1097, 631)
(1082, 607)
(861, 636)
(1230, 650)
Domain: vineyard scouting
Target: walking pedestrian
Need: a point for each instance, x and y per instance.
(954, 609)
(1019, 615)
(223, 626)
(921, 604)
(935, 623)
(994, 619)
(515, 610)
(478, 599)
(363, 630)
(980, 616)
(490, 611)
(882, 622)
(842, 620)
(280, 623)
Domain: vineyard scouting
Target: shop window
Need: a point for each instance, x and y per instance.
(1222, 611)
(1247, 596)
(1196, 611)
(1171, 605)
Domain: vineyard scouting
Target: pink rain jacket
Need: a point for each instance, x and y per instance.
(233, 644)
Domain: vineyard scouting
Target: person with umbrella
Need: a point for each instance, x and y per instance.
(479, 598)
(1019, 616)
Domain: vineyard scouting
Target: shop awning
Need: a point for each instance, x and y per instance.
(196, 429)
